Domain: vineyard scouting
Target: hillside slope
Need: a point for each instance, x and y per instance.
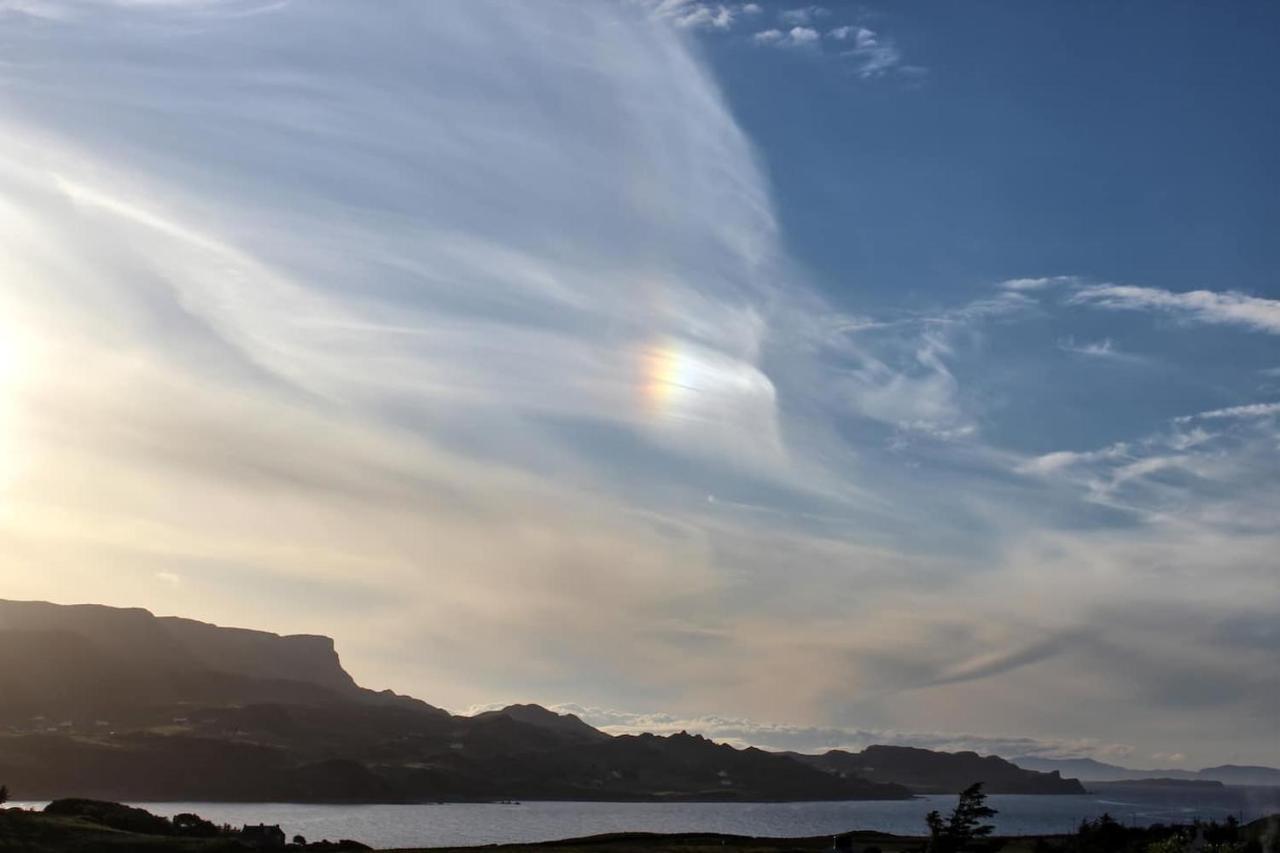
(927, 772)
(119, 704)
(116, 703)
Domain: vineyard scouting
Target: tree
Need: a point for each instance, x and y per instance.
(964, 826)
(967, 820)
(194, 826)
(4, 794)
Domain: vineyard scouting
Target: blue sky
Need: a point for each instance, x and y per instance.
(1115, 143)
(805, 375)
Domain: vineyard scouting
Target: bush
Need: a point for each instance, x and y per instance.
(113, 815)
(194, 826)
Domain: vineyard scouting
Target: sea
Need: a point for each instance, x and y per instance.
(459, 824)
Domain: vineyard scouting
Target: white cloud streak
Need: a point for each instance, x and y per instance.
(1041, 283)
(1251, 410)
(1201, 306)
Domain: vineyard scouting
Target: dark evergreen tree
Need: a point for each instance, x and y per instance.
(966, 821)
(966, 824)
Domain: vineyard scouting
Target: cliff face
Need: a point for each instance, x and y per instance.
(73, 663)
(144, 642)
(258, 654)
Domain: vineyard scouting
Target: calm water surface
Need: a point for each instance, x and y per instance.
(461, 824)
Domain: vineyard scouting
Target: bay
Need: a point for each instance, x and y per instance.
(391, 826)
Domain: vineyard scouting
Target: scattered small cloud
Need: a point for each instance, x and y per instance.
(870, 53)
(873, 54)
(1042, 283)
(695, 14)
(803, 35)
(169, 578)
(1101, 349)
(803, 15)
(795, 37)
(720, 18)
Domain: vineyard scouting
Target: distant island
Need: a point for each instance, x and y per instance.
(1089, 770)
(118, 704)
(927, 771)
(1159, 782)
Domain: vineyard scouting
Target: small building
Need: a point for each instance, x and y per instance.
(262, 835)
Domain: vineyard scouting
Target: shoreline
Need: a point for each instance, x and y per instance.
(105, 826)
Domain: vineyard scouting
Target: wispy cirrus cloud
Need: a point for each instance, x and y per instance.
(375, 278)
(1250, 410)
(1201, 306)
(459, 365)
(1217, 464)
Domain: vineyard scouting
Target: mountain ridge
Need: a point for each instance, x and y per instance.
(115, 703)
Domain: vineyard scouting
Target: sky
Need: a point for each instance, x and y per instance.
(806, 376)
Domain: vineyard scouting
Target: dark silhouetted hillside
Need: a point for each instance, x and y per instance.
(928, 772)
(111, 703)
(536, 715)
(81, 661)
